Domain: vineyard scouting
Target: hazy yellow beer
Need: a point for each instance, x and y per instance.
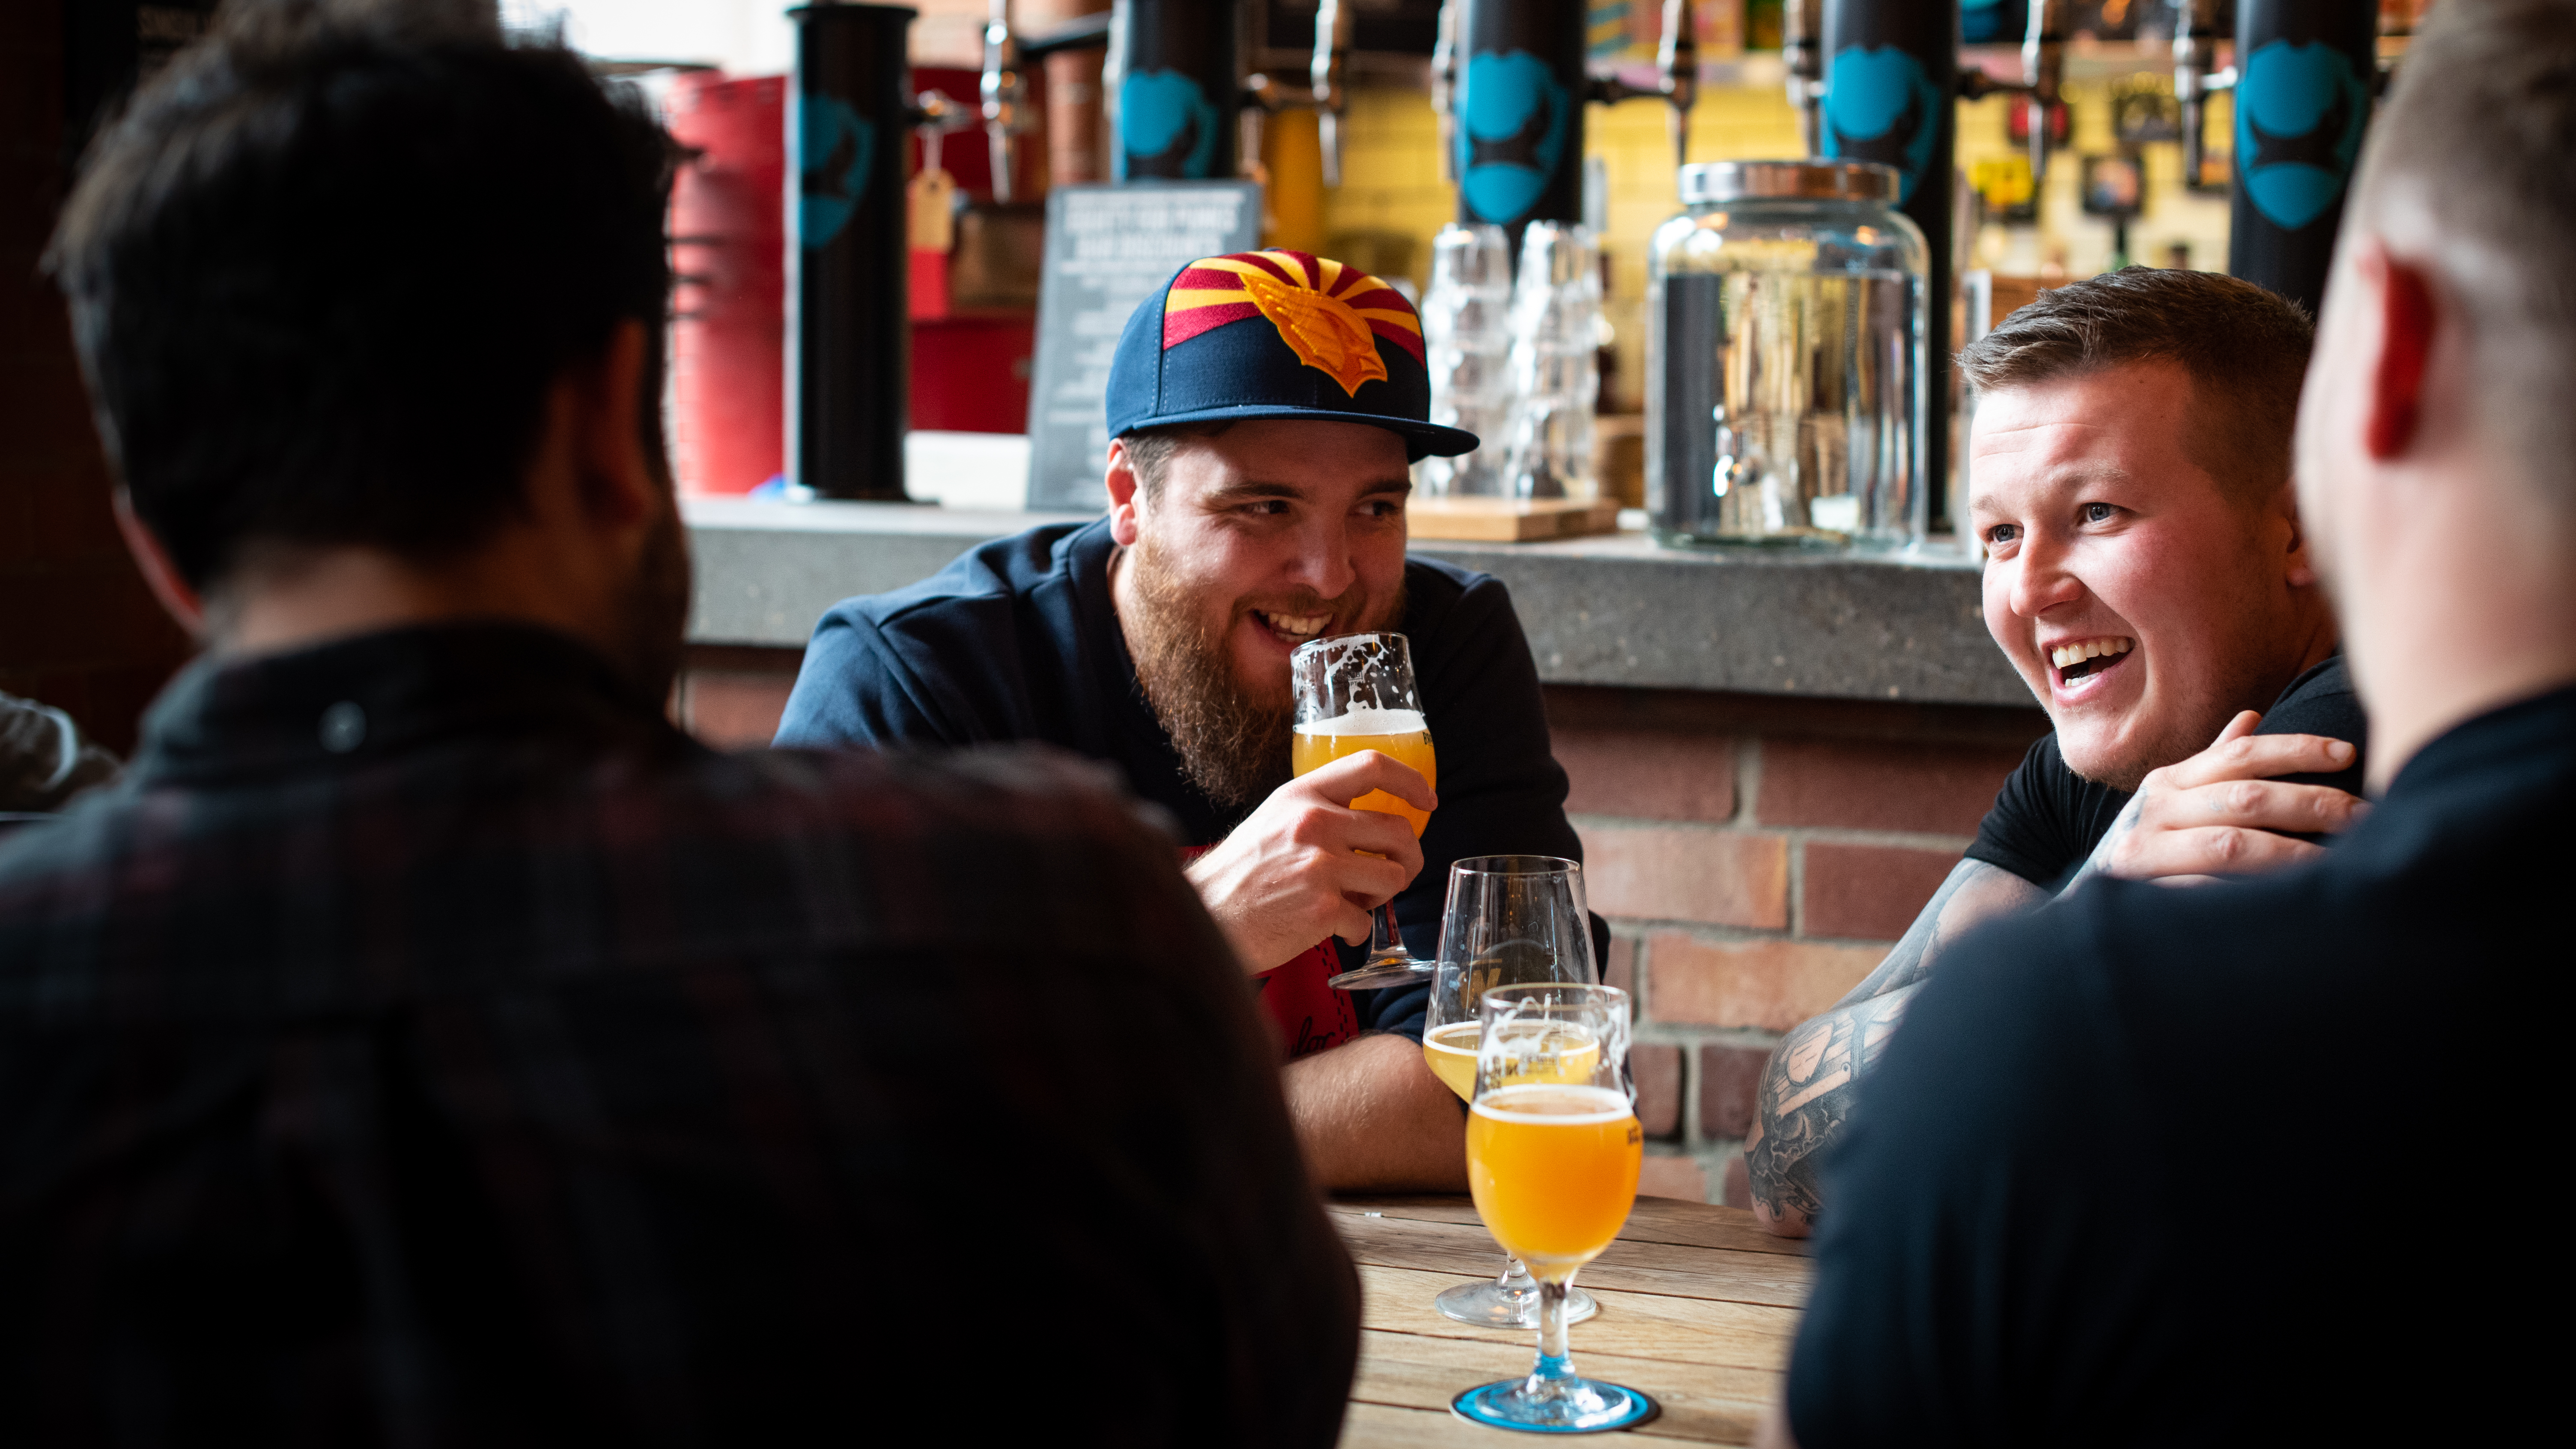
(1554, 1171)
(1451, 1052)
(1555, 1054)
(1398, 734)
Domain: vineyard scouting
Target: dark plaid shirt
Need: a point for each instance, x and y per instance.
(426, 1044)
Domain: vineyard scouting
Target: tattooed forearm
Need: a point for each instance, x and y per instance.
(1805, 1094)
(1974, 892)
(1806, 1089)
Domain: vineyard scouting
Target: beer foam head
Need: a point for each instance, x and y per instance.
(1369, 722)
(1457, 1036)
(1552, 1104)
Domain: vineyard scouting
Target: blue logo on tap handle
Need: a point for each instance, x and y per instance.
(1880, 106)
(2300, 111)
(1167, 128)
(835, 146)
(1511, 133)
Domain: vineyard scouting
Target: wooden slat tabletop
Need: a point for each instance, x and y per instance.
(1698, 1306)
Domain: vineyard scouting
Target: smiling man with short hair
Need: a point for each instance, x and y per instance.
(2215, 1167)
(2148, 576)
(1265, 408)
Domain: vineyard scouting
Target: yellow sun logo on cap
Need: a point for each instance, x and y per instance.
(1330, 315)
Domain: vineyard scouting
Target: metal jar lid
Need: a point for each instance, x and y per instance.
(1713, 181)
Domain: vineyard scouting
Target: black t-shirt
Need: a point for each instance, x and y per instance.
(1018, 640)
(2256, 1162)
(2047, 819)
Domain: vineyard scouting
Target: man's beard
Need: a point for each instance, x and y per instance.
(1233, 742)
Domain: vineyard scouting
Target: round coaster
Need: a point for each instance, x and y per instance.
(1589, 1406)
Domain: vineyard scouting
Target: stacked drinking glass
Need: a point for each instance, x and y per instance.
(1467, 340)
(1555, 378)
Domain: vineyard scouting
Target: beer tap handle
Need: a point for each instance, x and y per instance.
(2195, 53)
(2043, 72)
(934, 115)
(1609, 90)
(1802, 39)
(1976, 85)
(1677, 60)
(1262, 97)
(1327, 73)
(1004, 94)
(1444, 88)
(931, 195)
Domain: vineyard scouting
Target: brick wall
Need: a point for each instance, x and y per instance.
(77, 628)
(1755, 855)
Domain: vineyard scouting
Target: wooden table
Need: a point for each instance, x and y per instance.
(1698, 1306)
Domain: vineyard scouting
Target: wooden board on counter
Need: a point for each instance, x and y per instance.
(1509, 520)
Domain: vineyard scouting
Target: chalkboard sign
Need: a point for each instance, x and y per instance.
(1106, 248)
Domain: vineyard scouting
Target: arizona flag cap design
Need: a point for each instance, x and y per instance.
(1277, 334)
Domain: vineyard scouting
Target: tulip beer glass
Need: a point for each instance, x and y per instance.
(1355, 693)
(1511, 920)
(1552, 1154)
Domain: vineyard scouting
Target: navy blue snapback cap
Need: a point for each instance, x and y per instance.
(1277, 334)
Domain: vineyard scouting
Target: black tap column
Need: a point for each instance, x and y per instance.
(849, 336)
(2303, 90)
(1891, 68)
(1519, 131)
(1174, 86)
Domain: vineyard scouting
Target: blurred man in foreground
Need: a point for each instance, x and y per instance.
(2147, 573)
(426, 1043)
(1264, 408)
(2126, 1175)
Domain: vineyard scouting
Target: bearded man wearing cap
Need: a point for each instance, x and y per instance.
(1264, 409)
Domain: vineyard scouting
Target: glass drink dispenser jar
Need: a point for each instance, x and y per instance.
(1785, 370)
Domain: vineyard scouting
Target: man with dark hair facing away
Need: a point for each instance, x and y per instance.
(2147, 573)
(2260, 1163)
(1264, 409)
(426, 1043)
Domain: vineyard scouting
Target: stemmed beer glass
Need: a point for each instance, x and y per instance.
(1552, 1154)
(1356, 692)
(1511, 920)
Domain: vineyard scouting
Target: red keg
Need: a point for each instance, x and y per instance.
(728, 239)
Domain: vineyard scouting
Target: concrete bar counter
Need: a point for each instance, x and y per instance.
(1612, 610)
